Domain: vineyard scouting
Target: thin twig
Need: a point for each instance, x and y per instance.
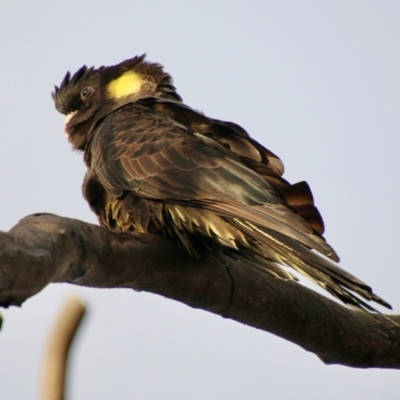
(55, 362)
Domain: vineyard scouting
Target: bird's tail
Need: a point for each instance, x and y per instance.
(269, 250)
(278, 250)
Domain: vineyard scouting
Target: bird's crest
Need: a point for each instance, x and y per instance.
(131, 78)
(68, 82)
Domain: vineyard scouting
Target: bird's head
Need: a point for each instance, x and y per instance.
(91, 94)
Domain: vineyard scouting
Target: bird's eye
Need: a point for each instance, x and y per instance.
(86, 92)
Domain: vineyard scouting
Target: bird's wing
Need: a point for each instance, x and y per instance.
(141, 151)
(298, 196)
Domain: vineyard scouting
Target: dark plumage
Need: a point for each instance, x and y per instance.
(156, 165)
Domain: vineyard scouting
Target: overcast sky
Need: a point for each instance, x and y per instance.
(317, 82)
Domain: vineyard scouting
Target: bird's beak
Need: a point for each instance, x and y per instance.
(67, 119)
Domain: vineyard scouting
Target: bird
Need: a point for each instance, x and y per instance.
(156, 165)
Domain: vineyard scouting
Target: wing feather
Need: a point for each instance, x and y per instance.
(170, 168)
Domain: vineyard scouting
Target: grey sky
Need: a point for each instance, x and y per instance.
(316, 82)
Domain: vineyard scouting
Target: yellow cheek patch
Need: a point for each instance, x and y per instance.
(127, 84)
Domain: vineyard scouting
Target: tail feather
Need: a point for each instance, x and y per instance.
(257, 260)
(262, 247)
(317, 268)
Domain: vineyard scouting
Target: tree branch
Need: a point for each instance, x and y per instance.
(46, 248)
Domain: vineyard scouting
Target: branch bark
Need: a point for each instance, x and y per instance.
(45, 248)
